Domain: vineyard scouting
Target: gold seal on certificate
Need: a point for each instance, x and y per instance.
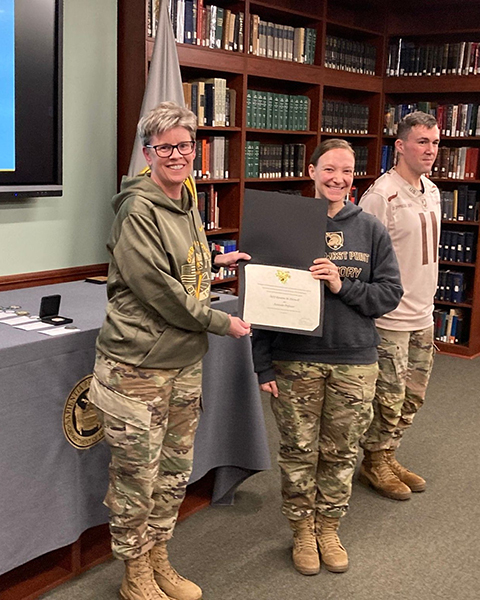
(281, 297)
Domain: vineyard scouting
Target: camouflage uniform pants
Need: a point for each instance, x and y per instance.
(405, 359)
(321, 412)
(150, 417)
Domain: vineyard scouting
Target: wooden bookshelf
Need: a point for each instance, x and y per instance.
(374, 22)
(463, 25)
(246, 71)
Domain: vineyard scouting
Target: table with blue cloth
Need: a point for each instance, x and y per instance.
(50, 491)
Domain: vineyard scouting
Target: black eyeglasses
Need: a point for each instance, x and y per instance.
(166, 150)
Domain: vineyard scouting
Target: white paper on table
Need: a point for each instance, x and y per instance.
(59, 331)
(4, 316)
(281, 297)
(20, 321)
(34, 325)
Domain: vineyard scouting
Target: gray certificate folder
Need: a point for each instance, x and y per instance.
(283, 230)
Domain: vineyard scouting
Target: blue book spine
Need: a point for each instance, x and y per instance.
(188, 27)
(457, 287)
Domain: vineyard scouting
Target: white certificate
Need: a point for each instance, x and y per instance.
(281, 297)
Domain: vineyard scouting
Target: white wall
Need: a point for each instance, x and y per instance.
(70, 231)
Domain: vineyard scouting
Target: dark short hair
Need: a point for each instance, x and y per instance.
(327, 145)
(412, 120)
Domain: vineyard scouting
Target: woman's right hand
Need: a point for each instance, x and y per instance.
(238, 328)
(270, 387)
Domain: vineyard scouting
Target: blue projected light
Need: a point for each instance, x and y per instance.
(7, 87)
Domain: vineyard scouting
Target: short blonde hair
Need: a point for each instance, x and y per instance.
(164, 117)
(331, 144)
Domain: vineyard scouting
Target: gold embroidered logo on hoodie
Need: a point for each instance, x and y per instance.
(334, 239)
(195, 273)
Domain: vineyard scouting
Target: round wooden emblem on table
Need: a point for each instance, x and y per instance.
(81, 425)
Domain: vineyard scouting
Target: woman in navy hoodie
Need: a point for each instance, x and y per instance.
(322, 388)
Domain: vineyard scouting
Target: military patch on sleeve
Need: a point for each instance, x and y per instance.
(81, 425)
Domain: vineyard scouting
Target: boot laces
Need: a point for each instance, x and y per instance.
(396, 467)
(385, 471)
(169, 572)
(164, 567)
(330, 539)
(148, 592)
(142, 565)
(306, 541)
(147, 583)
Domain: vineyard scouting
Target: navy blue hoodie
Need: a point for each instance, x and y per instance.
(361, 248)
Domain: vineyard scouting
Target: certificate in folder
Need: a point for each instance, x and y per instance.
(283, 233)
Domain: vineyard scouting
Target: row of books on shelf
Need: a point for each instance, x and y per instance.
(451, 163)
(210, 26)
(457, 246)
(223, 246)
(454, 120)
(269, 161)
(350, 55)
(451, 286)
(449, 326)
(282, 42)
(212, 101)
(344, 117)
(361, 159)
(268, 110)
(207, 202)
(461, 204)
(416, 59)
(212, 158)
(457, 163)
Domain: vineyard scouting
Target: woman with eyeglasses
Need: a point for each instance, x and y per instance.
(147, 376)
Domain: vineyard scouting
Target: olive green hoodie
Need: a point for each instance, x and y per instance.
(158, 312)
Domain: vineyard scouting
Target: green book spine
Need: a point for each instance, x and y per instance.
(286, 101)
(282, 112)
(306, 102)
(256, 159)
(248, 159)
(268, 110)
(297, 115)
(249, 108)
(275, 113)
(263, 112)
(219, 27)
(254, 109)
(308, 45)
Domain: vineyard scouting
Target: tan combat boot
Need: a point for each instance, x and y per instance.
(173, 584)
(334, 555)
(414, 481)
(138, 582)
(376, 472)
(305, 551)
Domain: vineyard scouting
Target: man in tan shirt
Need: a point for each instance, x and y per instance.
(408, 204)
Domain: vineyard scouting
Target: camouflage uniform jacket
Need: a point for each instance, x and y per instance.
(361, 248)
(158, 312)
